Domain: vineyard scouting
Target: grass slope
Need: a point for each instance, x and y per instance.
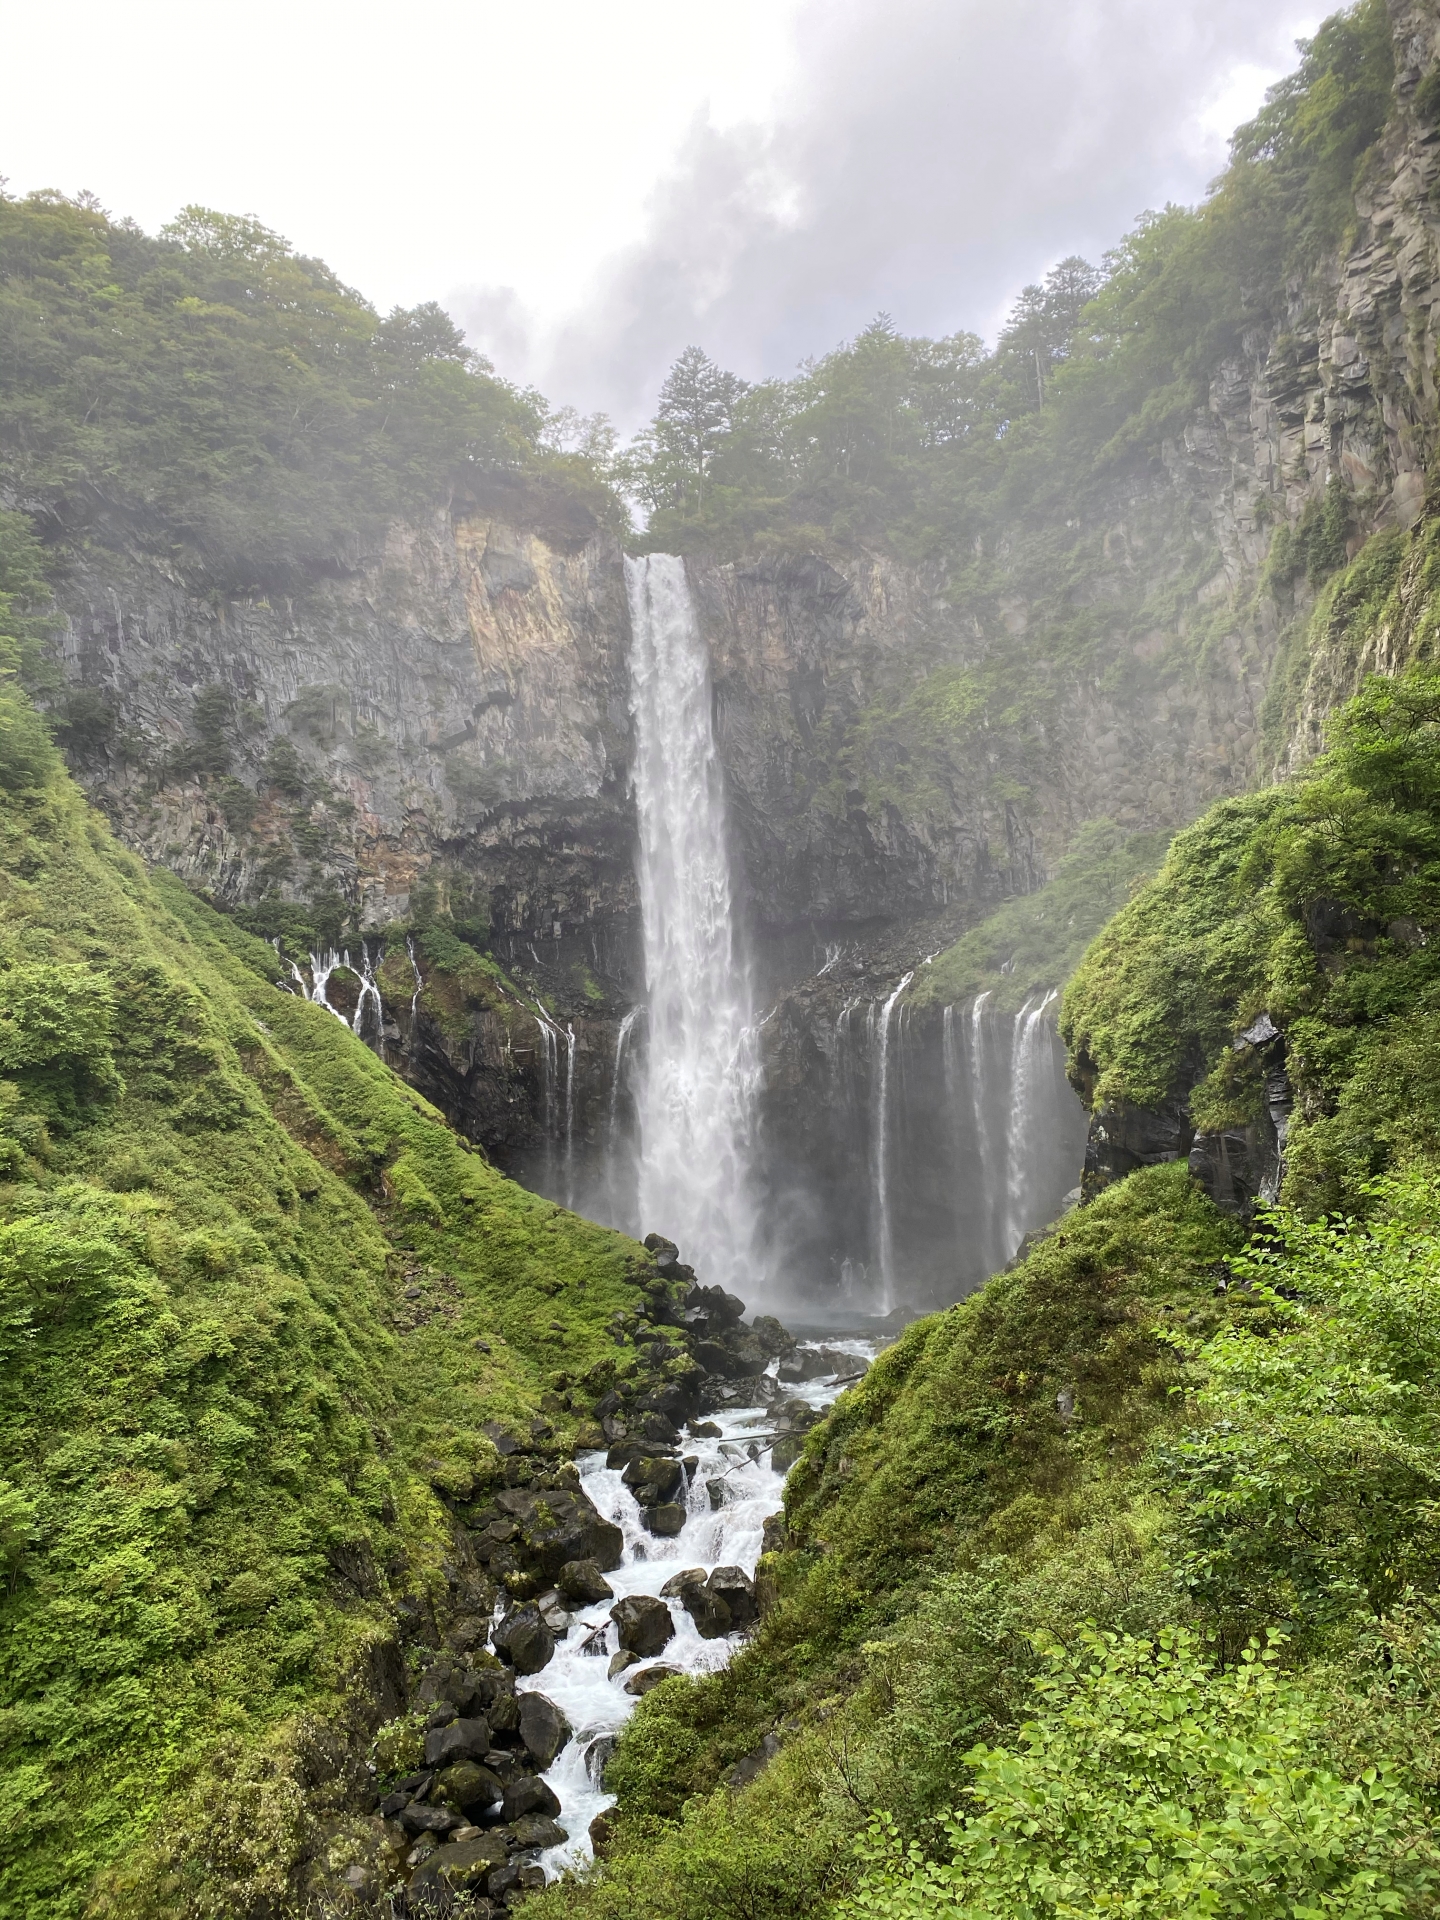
(256, 1304)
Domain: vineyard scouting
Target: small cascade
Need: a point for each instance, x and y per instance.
(617, 1074)
(550, 1038)
(979, 1067)
(696, 1098)
(1029, 1037)
(369, 996)
(884, 1238)
(419, 982)
(569, 1113)
(731, 1491)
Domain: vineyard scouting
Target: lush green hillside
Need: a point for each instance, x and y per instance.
(1112, 1589)
(257, 1303)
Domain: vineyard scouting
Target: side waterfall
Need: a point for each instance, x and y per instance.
(885, 1236)
(699, 1078)
(1029, 1038)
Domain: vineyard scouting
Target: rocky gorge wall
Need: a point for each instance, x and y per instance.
(442, 726)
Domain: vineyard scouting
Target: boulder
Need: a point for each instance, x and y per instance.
(597, 1758)
(619, 1662)
(663, 1432)
(786, 1451)
(465, 1866)
(718, 1492)
(582, 1580)
(554, 1612)
(754, 1763)
(735, 1587)
(674, 1587)
(537, 1830)
(543, 1728)
(709, 1612)
(528, 1795)
(653, 1478)
(665, 1520)
(419, 1818)
(524, 1640)
(469, 1787)
(643, 1625)
(504, 1713)
(775, 1535)
(560, 1524)
(771, 1335)
(461, 1740)
(640, 1683)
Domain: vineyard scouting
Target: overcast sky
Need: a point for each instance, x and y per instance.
(592, 185)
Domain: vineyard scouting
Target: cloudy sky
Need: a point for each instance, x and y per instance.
(591, 185)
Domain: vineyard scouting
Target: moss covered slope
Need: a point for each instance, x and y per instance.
(257, 1303)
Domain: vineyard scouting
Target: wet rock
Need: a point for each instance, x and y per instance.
(419, 1818)
(544, 1730)
(503, 1713)
(641, 1683)
(597, 1758)
(528, 1795)
(643, 1625)
(391, 1805)
(465, 1866)
(460, 1740)
(705, 1430)
(554, 1613)
(620, 1661)
(469, 1787)
(582, 1580)
(675, 1586)
(776, 1535)
(665, 1520)
(807, 1364)
(652, 1480)
(735, 1587)
(524, 1640)
(560, 1524)
(538, 1830)
(718, 1491)
(774, 1337)
(659, 1429)
(709, 1612)
(505, 1766)
(786, 1451)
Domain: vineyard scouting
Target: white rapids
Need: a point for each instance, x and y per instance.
(575, 1680)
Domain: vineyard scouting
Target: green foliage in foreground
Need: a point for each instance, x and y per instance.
(1037, 941)
(1148, 1784)
(245, 1278)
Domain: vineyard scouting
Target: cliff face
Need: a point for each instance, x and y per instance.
(459, 697)
(445, 724)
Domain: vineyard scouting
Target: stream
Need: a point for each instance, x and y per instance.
(576, 1677)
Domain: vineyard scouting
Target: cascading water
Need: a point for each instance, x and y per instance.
(735, 1461)
(884, 1236)
(697, 1089)
(1029, 1039)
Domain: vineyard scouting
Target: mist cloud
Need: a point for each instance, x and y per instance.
(933, 158)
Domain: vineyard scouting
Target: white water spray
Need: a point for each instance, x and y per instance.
(1028, 1040)
(885, 1249)
(696, 1099)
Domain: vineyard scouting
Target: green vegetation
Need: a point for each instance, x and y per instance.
(256, 1304)
(1037, 941)
(1312, 903)
(236, 405)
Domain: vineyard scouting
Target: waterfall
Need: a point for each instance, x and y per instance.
(419, 982)
(569, 1113)
(990, 1186)
(369, 995)
(885, 1248)
(1028, 1038)
(549, 1077)
(696, 1097)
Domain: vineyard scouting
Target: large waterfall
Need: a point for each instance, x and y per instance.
(698, 1076)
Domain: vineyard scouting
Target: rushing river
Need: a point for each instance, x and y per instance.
(576, 1678)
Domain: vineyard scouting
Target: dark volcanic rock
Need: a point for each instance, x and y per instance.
(641, 1683)
(465, 1866)
(643, 1624)
(665, 1520)
(529, 1795)
(461, 1740)
(544, 1730)
(582, 1580)
(737, 1590)
(524, 1640)
(562, 1524)
(537, 1830)
(469, 1787)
